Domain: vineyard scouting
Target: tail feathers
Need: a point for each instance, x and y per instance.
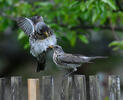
(41, 62)
(96, 57)
(40, 66)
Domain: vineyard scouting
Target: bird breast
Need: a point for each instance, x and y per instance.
(39, 46)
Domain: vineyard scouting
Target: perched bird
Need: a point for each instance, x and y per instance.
(40, 37)
(69, 61)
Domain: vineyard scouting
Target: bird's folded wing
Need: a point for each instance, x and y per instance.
(26, 25)
(70, 59)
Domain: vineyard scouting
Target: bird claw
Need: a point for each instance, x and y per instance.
(66, 75)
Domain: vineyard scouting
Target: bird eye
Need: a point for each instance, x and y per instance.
(56, 47)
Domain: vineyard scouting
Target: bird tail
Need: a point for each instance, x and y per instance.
(96, 57)
(88, 59)
(41, 60)
(40, 66)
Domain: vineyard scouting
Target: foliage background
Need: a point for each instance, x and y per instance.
(70, 19)
(89, 27)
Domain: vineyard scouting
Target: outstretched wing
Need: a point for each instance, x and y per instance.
(26, 25)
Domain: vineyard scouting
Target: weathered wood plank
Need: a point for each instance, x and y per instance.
(79, 85)
(47, 88)
(103, 85)
(114, 87)
(66, 89)
(16, 88)
(74, 88)
(33, 89)
(2, 89)
(94, 88)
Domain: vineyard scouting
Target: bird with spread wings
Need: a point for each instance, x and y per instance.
(40, 36)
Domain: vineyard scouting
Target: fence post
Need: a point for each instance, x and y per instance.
(2, 89)
(66, 91)
(47, 88)
(79, 85)
(33, 89)
(94, 88)
(114, 87)
(16, 88)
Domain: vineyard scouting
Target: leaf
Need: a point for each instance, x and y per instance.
(1, 1)
(43, 4)
(121, 47)
(103, 15)
(83, 39)
(115, 48)
(114, 43)
(21, 35)
(24, 9)
(111, 3)
(95, 16)
(82, 7)
(117, 45)
(96, 12)
(26, 46)
(71, 36)
(73, 41)
(73, 4)
(10, 2)
(89, 2)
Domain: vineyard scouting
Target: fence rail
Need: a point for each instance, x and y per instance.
(74, 88)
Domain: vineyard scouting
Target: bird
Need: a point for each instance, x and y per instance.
(41, 36)
(69, 61)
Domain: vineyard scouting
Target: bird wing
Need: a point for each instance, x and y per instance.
(76, 58)
(26, 25)
(69, 59)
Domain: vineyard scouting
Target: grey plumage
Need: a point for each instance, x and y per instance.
(70, 61)
(40, 35)
(26, 25)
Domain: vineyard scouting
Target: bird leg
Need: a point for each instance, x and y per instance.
(62, 82)
(66, 75)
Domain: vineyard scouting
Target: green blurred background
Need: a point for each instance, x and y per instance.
(88, 27)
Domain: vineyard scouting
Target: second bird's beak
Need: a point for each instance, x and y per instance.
(46, 34)
(51, 46)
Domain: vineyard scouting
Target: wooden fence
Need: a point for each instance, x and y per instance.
(77, 87)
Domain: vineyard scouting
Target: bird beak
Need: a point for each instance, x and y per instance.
(46, 34)
(51, 46)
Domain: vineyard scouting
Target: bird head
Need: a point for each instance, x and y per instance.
(57, 49)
